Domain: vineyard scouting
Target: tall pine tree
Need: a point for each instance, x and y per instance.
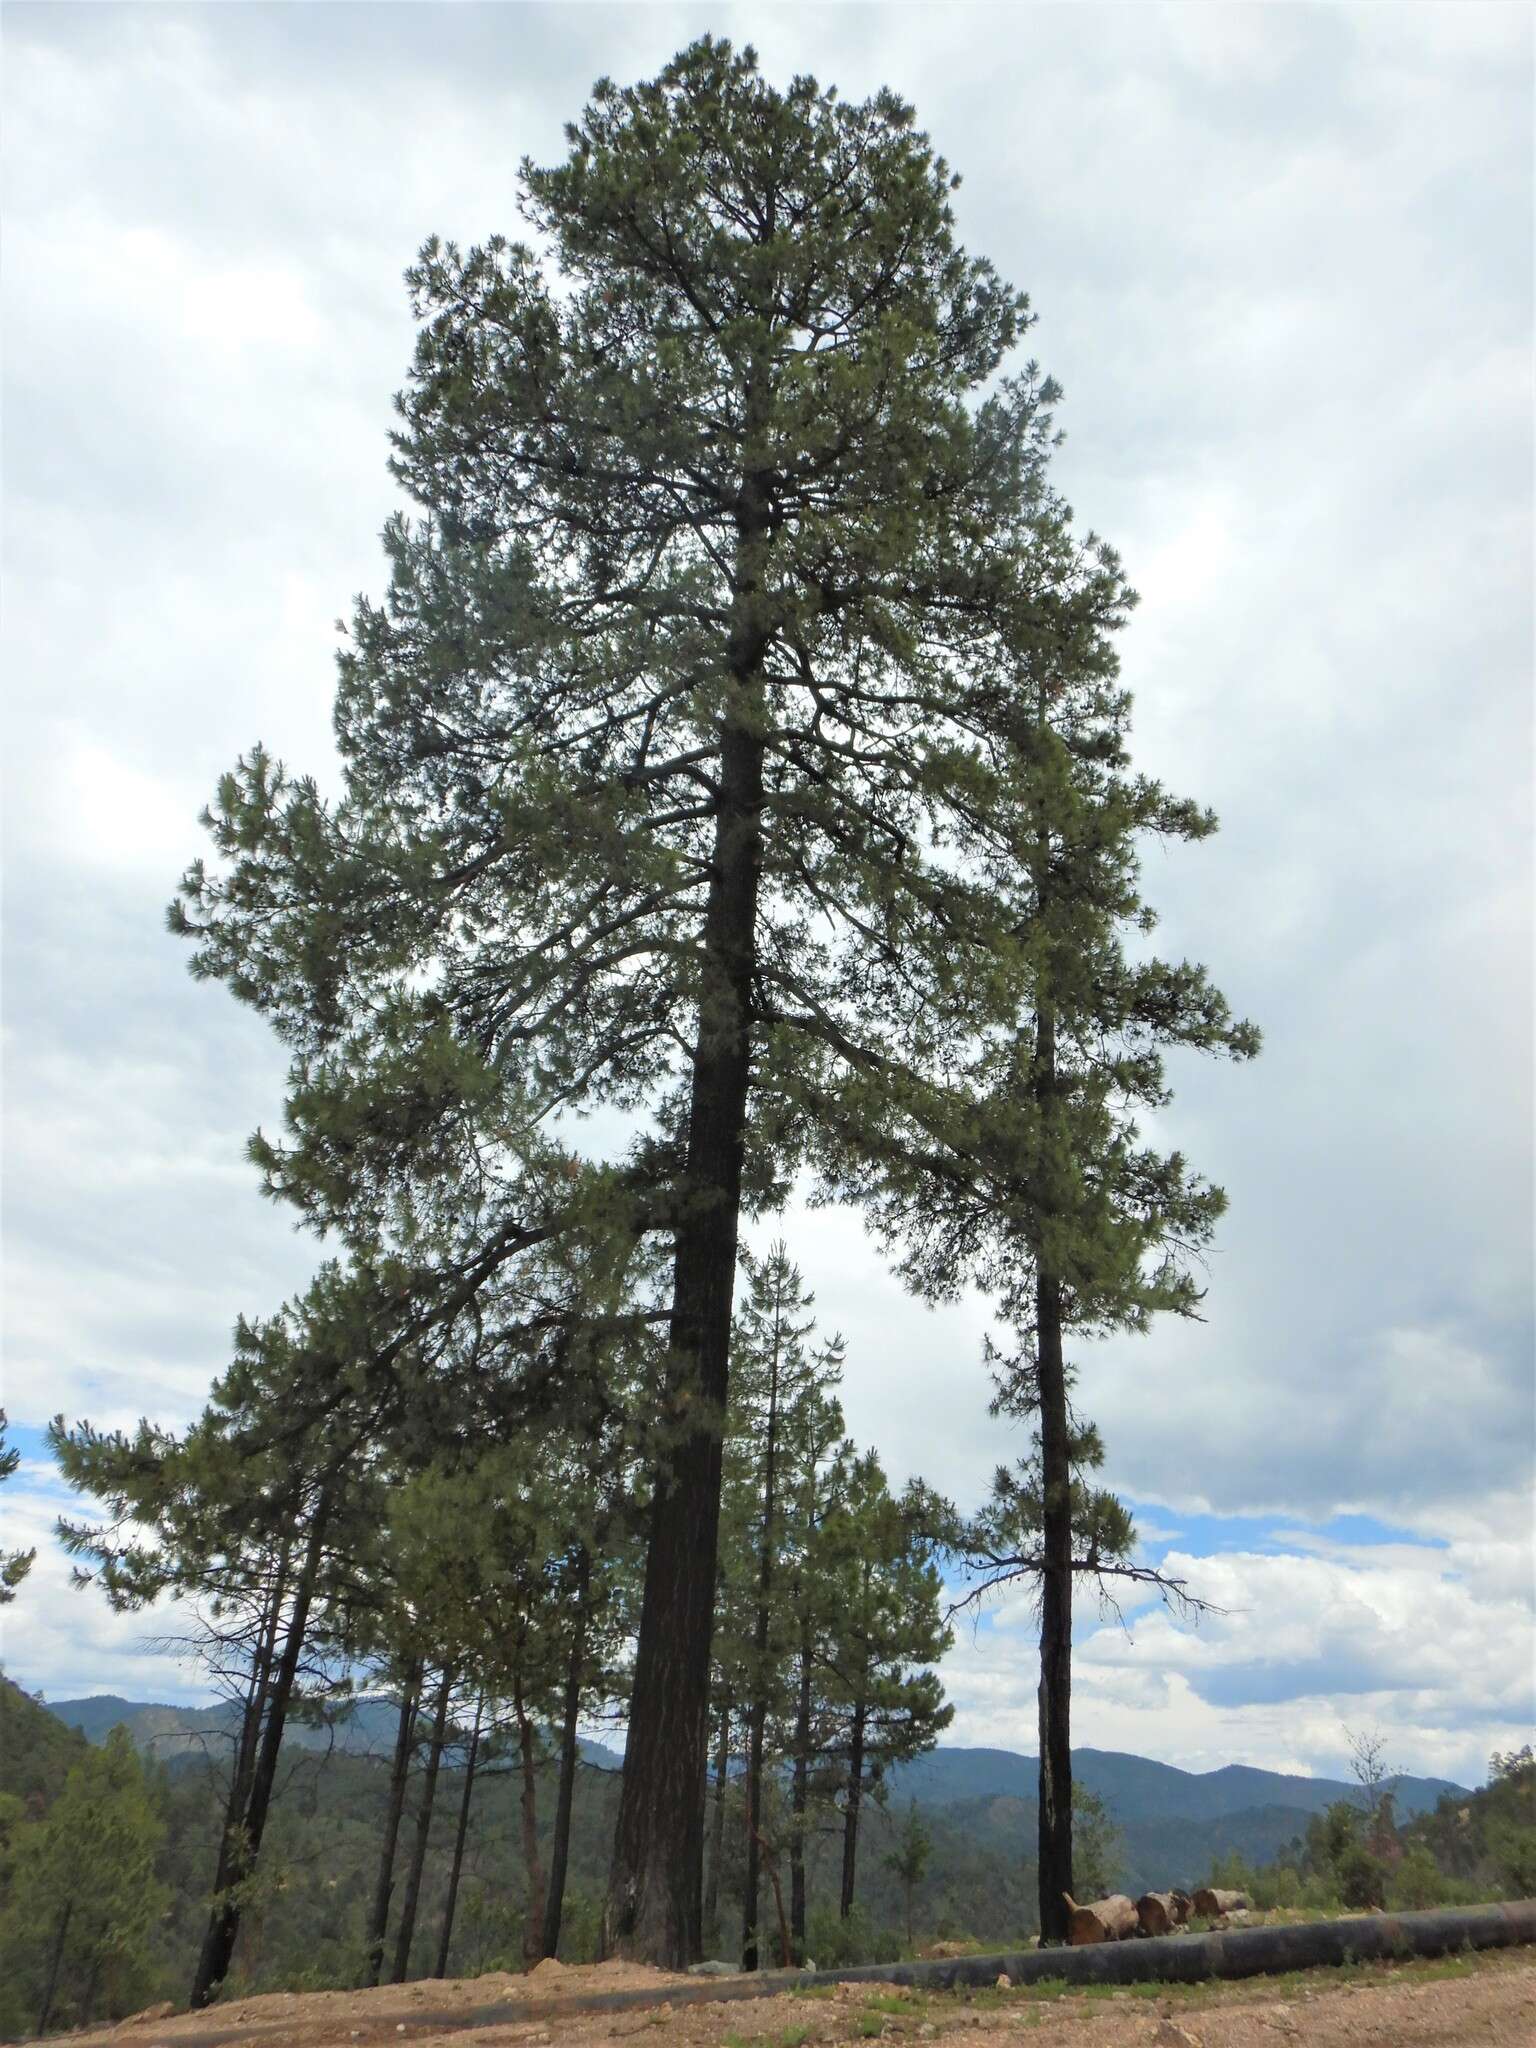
(683, 766)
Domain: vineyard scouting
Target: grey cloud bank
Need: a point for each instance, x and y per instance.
(1282, 259)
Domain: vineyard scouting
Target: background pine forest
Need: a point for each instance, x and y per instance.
(304, 1927)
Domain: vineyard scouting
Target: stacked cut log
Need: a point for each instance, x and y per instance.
(1110, 1919)
(1162, 1912)
(1214, 1905)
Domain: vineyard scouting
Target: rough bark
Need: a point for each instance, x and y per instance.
(851, 1810)
(711, 1916)
(533, 1910)
(408, 1904)
(224, 1924)
(1111, 1919)
(450, 1904)
(653, 1907)
(400, 1771)
(560, 1846)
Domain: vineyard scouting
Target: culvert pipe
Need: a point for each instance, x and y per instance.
(1165, 1959)
(1238, 1952)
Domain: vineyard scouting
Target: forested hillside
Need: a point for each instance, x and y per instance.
(1356, 1853)
(36, 1749)
(306, 1922)
(1133, 1788)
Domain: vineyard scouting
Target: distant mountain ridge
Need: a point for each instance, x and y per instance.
(1134, 1788)
(363, 1727)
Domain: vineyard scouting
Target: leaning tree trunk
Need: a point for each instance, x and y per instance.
(533, 1911)
(560, 1846)
(55, 1962)
(717, 1826)
(412, 1898)
(224, 1926)
(400, 1771)
(851, 1813)
(653, 1907)
(799, 1805)
(233, 1830)
(450, 1904)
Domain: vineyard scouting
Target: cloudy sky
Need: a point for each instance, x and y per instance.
(1282, 257)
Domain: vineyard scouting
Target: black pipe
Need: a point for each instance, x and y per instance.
(1166, 1959)
(1243, 1952)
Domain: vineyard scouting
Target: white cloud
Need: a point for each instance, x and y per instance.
(1313, 1642)
(63, 1640)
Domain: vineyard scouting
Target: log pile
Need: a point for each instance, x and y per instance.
(1153, 1914)
(1110, 1919)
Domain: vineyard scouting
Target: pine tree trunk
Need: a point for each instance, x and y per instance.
(533, 1910)
(717, 1827)
(1055, 1839)
(224, 1926)
(1055, 1698)
(408, 1904)
(560, 1846)
(759, 1715)
(55, 1963)
(751, 1888)
(800, 1803)
(851, 1814)
(786, 1945)
(400, 1771)
(653, 1907)
(240, 1778)
(450, 1904)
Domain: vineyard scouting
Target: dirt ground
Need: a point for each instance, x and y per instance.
(1483, 1999)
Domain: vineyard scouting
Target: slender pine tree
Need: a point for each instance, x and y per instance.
(886, 1633)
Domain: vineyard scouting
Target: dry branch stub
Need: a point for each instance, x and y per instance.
(1212, 1904)
(1110, 1919)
